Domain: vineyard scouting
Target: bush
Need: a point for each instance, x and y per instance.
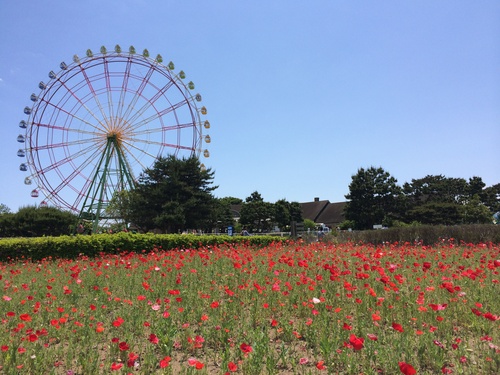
(73, 246)
(426, 234)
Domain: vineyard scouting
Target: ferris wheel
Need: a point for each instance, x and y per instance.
(102, 120)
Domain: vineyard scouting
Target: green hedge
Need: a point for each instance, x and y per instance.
(426, 234)
(73, 246)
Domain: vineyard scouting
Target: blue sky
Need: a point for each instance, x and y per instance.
(299, 94)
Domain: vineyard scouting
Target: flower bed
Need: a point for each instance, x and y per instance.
(286, 308)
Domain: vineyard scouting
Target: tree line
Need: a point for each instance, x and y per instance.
(375, 198)
(176, 195)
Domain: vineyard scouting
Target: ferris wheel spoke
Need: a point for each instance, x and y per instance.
(151, 101)
(160, 114)
(95, 96)
(68, 130)
(109, 90)
(82, 166)
(72, 115)
(136, 153)
(161, 130)
(138, 93)
(131, 151)
(55, 146)
(70, 158)
(95, 140)
(65, 182)
(123, 92)
(77, 98)
(155, 143)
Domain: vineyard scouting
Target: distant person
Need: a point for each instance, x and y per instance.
(245, 233)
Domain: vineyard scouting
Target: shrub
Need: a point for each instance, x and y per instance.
(426, 234)
(74, 246)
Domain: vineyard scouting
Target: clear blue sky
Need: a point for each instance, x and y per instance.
(300, 94)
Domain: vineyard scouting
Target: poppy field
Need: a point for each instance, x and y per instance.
(286, 308)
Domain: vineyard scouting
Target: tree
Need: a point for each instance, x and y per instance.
(175, 194)
(231, 200)
(443, 200)
(285, 212)
(309, 225)
(437, 189)
(491, 198)
(374, 198)
(476, 187)
(4, 209)
(222, 216)
(32, 221)
(256, 214)
(435, 213)
(475, 212)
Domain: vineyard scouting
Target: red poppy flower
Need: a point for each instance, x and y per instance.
(406, 368)
(438, 307)
(123, 346)
(153, 339)
(347, 327)
(398, 327)
(198, 365)
(132, 358)
(356, 342)
(25, 317)
(165, 362)
(99, 328)
(193, 362)
(116, 366)
(32, 338)
(232, 367)
(320, 365)
(491, 317)
(245, 348)
(118, 322)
